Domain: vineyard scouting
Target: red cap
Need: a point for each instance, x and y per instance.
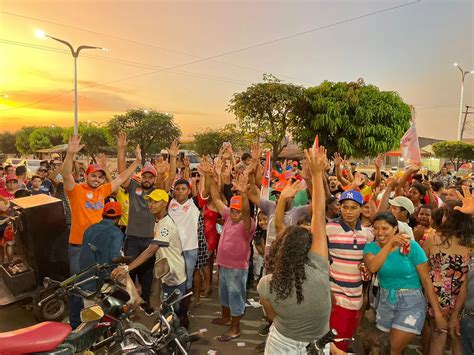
(112, 209)
(149, 169)
(11, 177)
(236, 203)
(94, 168)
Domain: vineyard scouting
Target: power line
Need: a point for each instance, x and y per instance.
(258, 45)
(127, 62)
(149, 45)
(240, 49)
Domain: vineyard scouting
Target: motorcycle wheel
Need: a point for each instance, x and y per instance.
(53, 310)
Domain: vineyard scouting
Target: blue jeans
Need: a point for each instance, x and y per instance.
(134, 246)
(190, 259)
(233, 289)
(467, 334)
(76, 304)
(167, 290)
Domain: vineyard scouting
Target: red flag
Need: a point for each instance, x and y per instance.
(410, 146)
(316, 142)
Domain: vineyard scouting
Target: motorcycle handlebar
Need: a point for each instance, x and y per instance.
(72, 283)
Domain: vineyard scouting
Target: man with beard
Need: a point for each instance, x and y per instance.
(334, 185)
(87, 204)
(141, 222)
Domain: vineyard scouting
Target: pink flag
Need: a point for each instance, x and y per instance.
(267, 171)
(410, 146)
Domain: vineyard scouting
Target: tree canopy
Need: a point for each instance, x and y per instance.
(151, 129)
(352, 118)
(7, 143)
(96, 139)
(457, 152)
(264, 110)
(209, 141)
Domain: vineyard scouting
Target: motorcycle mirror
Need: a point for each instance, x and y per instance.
(46, 282)
(91, 314)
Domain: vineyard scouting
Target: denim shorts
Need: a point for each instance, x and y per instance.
(406, 314)
(190, 259)
(233, 289)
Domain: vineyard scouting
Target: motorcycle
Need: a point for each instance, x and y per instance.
(165, 337)
(102, 324)
(321, 346)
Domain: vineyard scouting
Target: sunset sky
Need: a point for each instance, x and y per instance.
(158, 49)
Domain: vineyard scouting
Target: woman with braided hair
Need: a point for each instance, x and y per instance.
(296, 296)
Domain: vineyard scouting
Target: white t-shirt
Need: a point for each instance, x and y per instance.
(167, 237)
(186, 217)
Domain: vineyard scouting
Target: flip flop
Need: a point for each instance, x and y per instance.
(218, 321)
(224, 337)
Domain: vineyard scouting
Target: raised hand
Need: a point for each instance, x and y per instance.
(317, 159)
(414, 167)
(291, 190)
(358, 179)
(138, 154)
(173, 150)
(337, 159)
(241, 183)
(122, 141)
(256, 152)
(74, 145)
(379, 161)
(161, 166)
(102, 160)
(205, 167)
(467, 201)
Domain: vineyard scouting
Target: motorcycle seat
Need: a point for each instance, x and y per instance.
(39, 337)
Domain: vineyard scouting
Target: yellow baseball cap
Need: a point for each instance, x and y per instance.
(158, 195)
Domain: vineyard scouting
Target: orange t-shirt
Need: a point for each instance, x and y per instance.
(87, 206)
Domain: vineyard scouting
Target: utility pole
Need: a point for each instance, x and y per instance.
(465, 119)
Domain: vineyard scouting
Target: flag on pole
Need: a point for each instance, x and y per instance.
(267, 170)
(410, 146)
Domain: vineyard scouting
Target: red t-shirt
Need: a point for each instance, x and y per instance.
(4, 192)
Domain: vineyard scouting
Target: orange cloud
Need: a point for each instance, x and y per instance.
(62, 101)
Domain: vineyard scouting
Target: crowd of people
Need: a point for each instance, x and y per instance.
(327, 245)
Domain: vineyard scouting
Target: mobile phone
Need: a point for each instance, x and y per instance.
(181, 156)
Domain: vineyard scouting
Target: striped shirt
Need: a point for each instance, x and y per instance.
(346, 247)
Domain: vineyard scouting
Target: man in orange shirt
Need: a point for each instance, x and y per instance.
(87, 204)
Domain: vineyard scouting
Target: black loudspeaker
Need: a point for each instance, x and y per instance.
(41, 236)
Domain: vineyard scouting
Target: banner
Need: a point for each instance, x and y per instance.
(410, 146)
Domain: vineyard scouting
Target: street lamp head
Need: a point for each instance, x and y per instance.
(5, 96)
(40, 34)
(104, 49)
(456, 64)
(145, 112)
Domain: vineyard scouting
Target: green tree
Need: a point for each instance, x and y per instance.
(209, 141)
(151, 129)
(352, 118)
(45, 137)
(7, 143)
(457, 152)
(22, 143)
(96, 139)
(38, 139)
(264, 110)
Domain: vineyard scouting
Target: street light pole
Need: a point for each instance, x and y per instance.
(460, 120)
(75, 54)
